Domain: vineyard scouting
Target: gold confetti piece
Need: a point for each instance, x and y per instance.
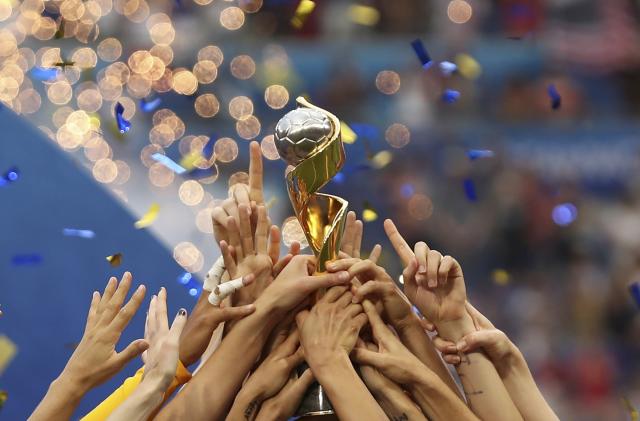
(271, 202)
(115, 259)
(369, 214)
(381, 159)
(364, 15)
(468, 66)
(7, 351)
(635, 415)
(3, 397)
(304, 9)
(191, 160)
(348, 135)
(500, 276)
(148, 217)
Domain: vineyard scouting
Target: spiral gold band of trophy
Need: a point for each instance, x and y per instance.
(322, 217)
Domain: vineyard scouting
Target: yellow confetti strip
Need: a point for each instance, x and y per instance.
(190, 160)
(7, 351)
(468, 66)
(3, 397)
(369, 214)
(381, 159)
(500, 276)
(635, 415)
(348, 135)
(271, 202)
(364, 15)
(115, 259)
(303, 10)
(148, 217)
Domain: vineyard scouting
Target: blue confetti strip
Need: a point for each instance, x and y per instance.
(193, 287)
(470, 190)
(123, 124)
(72, 232)
(148, 106)
(447, 68)
(556, 99)
(474, 154)
(450, 96)
(45, 73)
(634, 290)
(168, 162)
(26, 259)
(421, 52)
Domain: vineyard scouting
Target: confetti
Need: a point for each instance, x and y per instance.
(474, 154)
(369, 214)
(8, 350)
(470, 189)
(304, 9)
(26, 259)
(468, 67)
(148, 218)
(447, 68)
(115, 259)
(64, 64)
(168, 162)
(148, 106)
(564, 214)
(271, 202)
(11, 175)
(45, 73)
(72, 232)
(189, 161)
(500, 277)
(3, 397)
(364, 15)
(422, 53)
(381, 159)
(633, 412)
(123, 124)
(348, 135)
(554, 95)
(634, 290)
(450, 96)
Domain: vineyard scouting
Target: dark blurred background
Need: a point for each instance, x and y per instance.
(547, 228)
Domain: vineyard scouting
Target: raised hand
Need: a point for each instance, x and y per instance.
(352, 240)
(433, 283)
(283, 405)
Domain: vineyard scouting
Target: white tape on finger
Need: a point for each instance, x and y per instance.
(214, 275)
(222, 291)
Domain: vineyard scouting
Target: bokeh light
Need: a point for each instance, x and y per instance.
(109, 49)
(232, 18)
(212, 53)
(191, 192)
(276, 96)
(248, 128)
(397, 135)
(459, 11)
(159, 175)
(243, 67)
(187, 255)
(420, 207)
(207, 105)
(268, 147)
(388, 82)
(105, 170)
(564, 214)
(292, 231)
(225, 149)
(240, 107)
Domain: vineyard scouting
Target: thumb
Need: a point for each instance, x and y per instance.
(368, 357)
(134, 349)
(488, 339)
(326, 280)
(409, 273)
(231, 313)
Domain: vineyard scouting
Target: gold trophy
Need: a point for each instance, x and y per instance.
(308, 138)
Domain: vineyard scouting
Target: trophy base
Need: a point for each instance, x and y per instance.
(315, 402)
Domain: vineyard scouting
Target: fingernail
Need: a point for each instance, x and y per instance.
(461, 345)
(343, 276)
(422, 269)
(182, 312)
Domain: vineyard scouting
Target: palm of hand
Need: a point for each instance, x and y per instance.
(443, 303)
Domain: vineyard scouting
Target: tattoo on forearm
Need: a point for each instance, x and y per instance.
(250, 412)
(401, 417)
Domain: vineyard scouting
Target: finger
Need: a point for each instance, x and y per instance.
(234, 237)
(397, 241)
(373, 288)
(262, 231)
(444, 346)
(93, 310)
(274, 244)
(297, 390)
(219, 218)
(327, 280)
(255, 173)
(427, 325)
(295, 359)
(453, 359)
(231, 208)
(178, 325)
(433, 264)
(277, 268)
(349, 232)
(479, 339)
(367, 270)
(409, 273)
(482, 321)
(112, 284)
(151, 318)
(333, 294)
(162, 319)
(360, 320)
(301, 317)
(446, 264)
(342, 264)
(375, 253)
(116, 301)
(345, 299)
(378, 328)
(357, 238)
(229, 261)
(134, 349)
(124, 316)
(290, 345)
(226, 289)
(233, 313)
(367, 357)
(421, 252)
(240, 193)
(246, 237)
(295, 247)
(354, 310)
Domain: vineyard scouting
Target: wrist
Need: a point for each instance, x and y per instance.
(454, 330)
(325, 362)
(70, 384)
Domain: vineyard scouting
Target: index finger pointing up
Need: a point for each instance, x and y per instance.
(397, 241)
(255, 173)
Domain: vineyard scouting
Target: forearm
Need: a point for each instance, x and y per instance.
(417, 341)
(486, 394)
(211, 391)
(436, 400)
(349, 396)
(246, 405)
(140, 405)
(398, 406)
(61, 400)
(524, 392)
